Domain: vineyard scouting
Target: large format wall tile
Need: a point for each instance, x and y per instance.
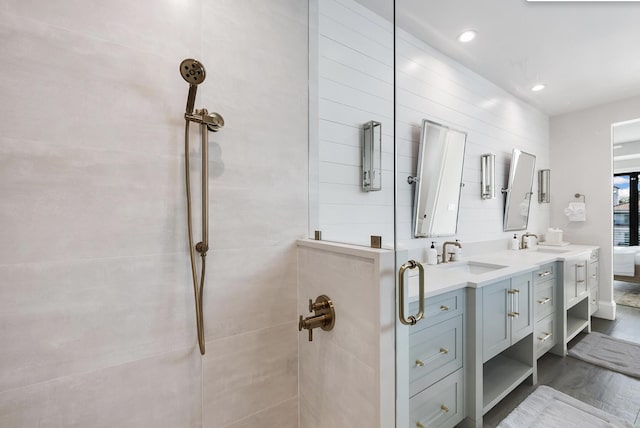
(160, 392)
(67, 89)
(249, 372)
(58, 319)
(95, 281)
(165, 27)
(257, 285)
(284, 415)
(63, 203)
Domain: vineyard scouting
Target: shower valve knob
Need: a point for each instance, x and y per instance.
(201, 247)
(323, 318)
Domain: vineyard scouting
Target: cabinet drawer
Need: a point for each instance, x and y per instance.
(439, 406)
(439, 308)
(544, 335)
(544, 302)
(545, 273)
(434, 353)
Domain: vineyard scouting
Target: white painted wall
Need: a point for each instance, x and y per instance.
(355, 68)
(581, 156)
(96, 303)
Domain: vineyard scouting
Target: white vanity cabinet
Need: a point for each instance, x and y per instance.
(576, 286)
(500, 345)
(574, 315)
(436, 362)
(506, 314)
(544, 309)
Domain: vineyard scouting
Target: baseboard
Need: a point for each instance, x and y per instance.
(606, 310)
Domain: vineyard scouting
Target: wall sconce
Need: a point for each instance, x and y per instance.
(488, 179)
(372, 157)
(544, 185)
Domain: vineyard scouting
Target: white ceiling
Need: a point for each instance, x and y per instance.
(586, 53)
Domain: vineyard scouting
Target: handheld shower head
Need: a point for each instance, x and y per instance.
(194, 73)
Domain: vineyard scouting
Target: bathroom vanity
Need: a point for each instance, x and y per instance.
(486, 322)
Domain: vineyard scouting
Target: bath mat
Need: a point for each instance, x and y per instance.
(608, 352)
(545, 407)
(626, 293)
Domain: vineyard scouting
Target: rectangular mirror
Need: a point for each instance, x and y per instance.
(372, 156)
(519, 191)
(438, 180)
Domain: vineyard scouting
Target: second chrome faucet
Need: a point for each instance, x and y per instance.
(444, 249)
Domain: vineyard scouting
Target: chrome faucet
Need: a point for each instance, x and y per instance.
(444, 249)
(524, 235)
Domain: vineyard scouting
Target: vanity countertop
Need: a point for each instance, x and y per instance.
(447, 277)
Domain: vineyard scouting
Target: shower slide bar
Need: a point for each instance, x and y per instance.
(194, 73)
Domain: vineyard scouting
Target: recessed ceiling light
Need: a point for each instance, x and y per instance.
(537, 87)
(467, 36)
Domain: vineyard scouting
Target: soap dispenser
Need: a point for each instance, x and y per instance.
(515, 245)
(432, 254)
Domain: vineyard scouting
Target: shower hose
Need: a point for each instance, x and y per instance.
(198, 283)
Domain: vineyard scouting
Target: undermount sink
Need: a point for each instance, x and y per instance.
(473, 268)
(551, 250)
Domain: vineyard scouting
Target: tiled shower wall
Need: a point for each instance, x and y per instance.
(96, 303)
(355, 67)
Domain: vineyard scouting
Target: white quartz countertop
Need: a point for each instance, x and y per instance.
(446, 277)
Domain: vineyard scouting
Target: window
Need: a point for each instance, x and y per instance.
(625, 209)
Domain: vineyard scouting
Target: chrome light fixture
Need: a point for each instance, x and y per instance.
(488, 179)
(544, 186)
(372, 156)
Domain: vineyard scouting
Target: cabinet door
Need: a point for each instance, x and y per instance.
(582, 285)
(496, 335)
(522, 316)
(592, 272)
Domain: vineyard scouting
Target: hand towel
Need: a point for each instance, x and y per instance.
(576, 211)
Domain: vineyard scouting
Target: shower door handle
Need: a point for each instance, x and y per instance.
(412, 319)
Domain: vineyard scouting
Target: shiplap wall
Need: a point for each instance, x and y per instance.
(355, 68)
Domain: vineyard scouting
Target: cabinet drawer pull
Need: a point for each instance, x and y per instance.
(511, 291)
(580, 281)
(543, 274)
(444, 308)
(544, 300)
(513, 314)
(594, 276)
(444, 408)
(419, 425)
(442, 351)
(545, 337)
(580, 266)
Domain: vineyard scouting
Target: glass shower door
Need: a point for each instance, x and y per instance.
(352, 211)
